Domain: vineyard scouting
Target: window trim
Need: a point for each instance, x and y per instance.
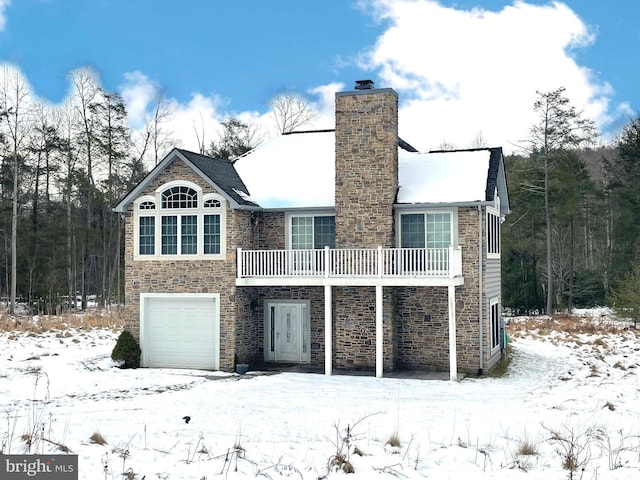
(289, 220)
(424, 211)
(199, 212)
(493, 237)
(494, 324)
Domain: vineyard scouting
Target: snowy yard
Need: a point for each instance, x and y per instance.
(568, 399)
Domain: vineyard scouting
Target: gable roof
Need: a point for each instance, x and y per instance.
(220, 174)
(453, 176)
(298, 171)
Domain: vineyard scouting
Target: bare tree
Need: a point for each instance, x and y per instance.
(86, 85)
(156, 136)
(559, 128)
(445, 145)
(479, 141)
(15, 101)
(200, 135)
(291, 111)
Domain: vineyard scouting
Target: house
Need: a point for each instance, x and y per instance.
(339, 249)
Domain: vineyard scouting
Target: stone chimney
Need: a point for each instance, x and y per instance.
(366, 166)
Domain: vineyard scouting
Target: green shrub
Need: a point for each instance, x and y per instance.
(126, 350)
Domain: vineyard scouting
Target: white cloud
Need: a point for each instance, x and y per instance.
(461, 72)
(196, 122)
(4, 4)
(137, 92)
(325, 106)
(189, 124)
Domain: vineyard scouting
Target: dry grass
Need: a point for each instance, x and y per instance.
(501, 368)
(568, 324)
(394, 440)
(97, 438)
(527, 448)
(113, 320)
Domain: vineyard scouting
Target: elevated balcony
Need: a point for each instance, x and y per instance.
(351, 267)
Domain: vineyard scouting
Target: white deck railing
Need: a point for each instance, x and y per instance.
(351, 262)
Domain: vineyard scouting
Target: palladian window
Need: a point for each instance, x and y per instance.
(188, 223)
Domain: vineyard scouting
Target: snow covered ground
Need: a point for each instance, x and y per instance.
(567, 399)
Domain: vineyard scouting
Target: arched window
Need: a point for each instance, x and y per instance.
(179, 197)
(212, 225)
(212, 203)
(187, 223)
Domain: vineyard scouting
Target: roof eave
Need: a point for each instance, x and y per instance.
(136, 191)
(472, 203)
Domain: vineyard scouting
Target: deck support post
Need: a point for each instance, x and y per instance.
(379, 333)
(453, 354)
(328, 331)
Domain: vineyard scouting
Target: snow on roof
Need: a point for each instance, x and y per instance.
(297, 170)
(457, 176)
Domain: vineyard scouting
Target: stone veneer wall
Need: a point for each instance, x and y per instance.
(467, 307)
(366, 181)
(243, 232)
(422, 328)
(354, 334)
(366, 185)
(355, 328)
(265, 232)
(423, 318)
(189, 276)
(315, 295)
(271, 231)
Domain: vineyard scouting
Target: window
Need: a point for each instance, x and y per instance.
(211, 234)
(412, 230)
(426, 230)
(147, 231)
(169, 235)
(312, 232)
(493, 233)
(438, 230)
(189, 235)
(179, 197)
(495, 324)
(431, 230)
(301, 233)
(188, 223)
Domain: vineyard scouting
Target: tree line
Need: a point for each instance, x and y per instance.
(573, 236)
(63, 168)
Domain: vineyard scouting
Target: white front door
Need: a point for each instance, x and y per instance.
(287, 332)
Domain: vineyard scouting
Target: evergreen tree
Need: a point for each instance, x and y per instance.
(236, 138)
(625, 297)
(559, 129)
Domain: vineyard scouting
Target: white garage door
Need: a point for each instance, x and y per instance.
(180, 330)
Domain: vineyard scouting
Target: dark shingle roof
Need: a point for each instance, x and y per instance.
(223, 174)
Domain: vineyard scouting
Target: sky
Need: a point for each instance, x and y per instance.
(466, 71)
(562, 393)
